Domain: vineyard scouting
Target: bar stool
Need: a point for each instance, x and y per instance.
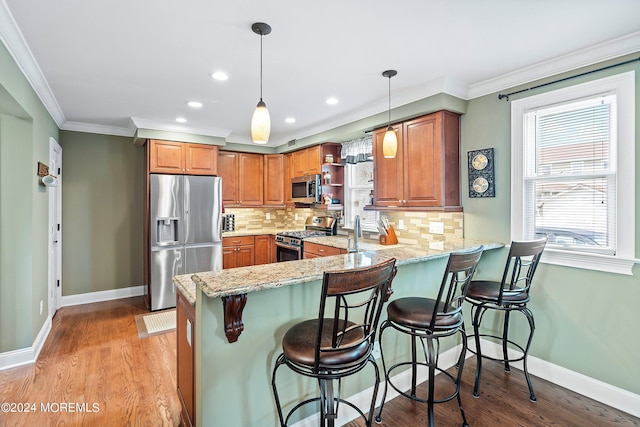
(430, 319)
(340, 341)
(510, 294)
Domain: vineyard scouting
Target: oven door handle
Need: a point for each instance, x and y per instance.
(292, 247)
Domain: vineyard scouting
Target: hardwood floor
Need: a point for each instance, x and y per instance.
(93, 356)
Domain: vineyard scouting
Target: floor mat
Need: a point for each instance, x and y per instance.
(156, 323)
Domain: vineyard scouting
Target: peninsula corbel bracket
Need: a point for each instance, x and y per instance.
(233, 306)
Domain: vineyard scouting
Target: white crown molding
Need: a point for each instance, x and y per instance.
(17, 46)
(155, 125)
(581, 58)
(100, 129)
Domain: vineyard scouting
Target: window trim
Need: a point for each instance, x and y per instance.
(348, 206)
(623, 85)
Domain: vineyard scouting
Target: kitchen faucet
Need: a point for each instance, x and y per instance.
(357, 232)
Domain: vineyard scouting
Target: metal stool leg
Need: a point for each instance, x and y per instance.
(476, 333)
(378, 418)
(505, 341)
(532, 328)
(279, 362)
(460, 366)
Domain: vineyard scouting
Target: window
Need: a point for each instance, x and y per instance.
(358, 192)
(573, 173)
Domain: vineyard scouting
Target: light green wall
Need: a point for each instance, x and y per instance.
(102, 212)
(24, 140)
(15, 230)
(585, 320)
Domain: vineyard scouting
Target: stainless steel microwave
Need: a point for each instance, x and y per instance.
(306, 189)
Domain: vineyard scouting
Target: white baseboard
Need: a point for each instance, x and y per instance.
(602, 392)
(112, 294)
(595, 389)
(25, 356)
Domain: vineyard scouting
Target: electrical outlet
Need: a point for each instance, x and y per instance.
(401, 224)
(296, 217)
(41, 306)
(376, 350)
(436, 245)
(268, 216)
(436, 227)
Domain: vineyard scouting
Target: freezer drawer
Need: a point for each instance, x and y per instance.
(165, 263)
(203, 258)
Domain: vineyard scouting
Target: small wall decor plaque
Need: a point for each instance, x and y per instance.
(481, 173)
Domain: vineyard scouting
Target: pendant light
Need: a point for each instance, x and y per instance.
(390, 140)
(261, 122)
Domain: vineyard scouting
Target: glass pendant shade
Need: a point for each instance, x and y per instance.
(260, 124)
(389, 143)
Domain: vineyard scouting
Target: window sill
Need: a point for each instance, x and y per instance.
(605, 263)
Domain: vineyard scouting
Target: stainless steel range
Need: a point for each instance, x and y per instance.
(290, 244)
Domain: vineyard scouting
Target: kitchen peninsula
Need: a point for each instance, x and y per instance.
(233, 380)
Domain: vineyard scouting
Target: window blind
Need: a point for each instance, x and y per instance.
(570, 174)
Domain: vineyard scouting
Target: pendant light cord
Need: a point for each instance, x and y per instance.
(389, 109)
(261, 65)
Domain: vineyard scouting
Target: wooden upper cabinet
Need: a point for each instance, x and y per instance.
(228, 171)
(251, 176)
(300, 163)
(274, 179)
(426, 169)
(314, 159)
(166, 157)
(387, 173)
(182, 158)
(289, 173)
(307, 161)
(242, 178)
(201, 159)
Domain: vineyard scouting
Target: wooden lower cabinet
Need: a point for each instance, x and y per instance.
(185, 342)
(315, 250)
(238, 251)
(263, 249)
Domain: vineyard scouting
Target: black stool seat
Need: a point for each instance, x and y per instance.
(416, 312)
(299, 345)
(489, 291)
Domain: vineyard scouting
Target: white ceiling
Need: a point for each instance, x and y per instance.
(112, 66)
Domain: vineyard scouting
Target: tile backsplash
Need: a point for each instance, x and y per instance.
(415, 224)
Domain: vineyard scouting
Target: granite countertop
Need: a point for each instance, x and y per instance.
(268, 276)
(186, 286)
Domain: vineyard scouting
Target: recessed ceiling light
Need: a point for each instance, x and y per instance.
(332, 101)
(181, 120)
(219, 75)
(290, 120)
(194, 104)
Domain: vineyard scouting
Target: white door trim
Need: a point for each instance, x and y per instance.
(55, 230)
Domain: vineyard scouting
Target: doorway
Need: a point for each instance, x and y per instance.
(55, 229)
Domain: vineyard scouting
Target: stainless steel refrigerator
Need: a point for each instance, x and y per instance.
(185, 231)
